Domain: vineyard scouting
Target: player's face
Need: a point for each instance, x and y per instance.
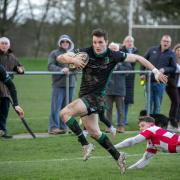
(143, 125)
(99, 44)
(4, 46)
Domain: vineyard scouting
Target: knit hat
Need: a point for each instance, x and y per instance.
(5, 39)
(66, 38)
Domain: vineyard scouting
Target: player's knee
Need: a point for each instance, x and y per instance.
(64, 114)
(95, 134)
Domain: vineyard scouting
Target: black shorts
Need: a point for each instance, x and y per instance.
(94, 103)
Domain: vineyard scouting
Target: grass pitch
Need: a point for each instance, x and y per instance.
(60, 157)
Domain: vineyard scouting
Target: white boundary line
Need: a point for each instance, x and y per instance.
(74, 159)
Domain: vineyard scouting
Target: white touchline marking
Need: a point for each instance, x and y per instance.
(74, 159)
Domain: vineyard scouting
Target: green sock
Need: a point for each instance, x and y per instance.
(106, 143)
(74, 126)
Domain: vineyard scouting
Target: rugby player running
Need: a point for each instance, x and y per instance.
(95, 76)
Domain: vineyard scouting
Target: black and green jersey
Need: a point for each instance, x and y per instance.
(98, 70)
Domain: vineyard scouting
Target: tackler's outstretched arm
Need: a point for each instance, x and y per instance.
(144, 161)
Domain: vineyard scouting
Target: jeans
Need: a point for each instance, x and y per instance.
(157, 91)
(4, 109)
(58, 102)
(126, 108)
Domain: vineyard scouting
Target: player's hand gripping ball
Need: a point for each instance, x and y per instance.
(82, 55)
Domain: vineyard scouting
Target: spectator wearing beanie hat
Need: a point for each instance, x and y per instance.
(58, 98)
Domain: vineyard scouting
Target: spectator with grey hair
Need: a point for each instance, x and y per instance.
(10, 63)
(58, 98)
(128, 47)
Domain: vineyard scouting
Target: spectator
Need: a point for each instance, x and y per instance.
(128, 47)
(10, 63)
(6, 79)
(116, 91)
(177, 52)
(58, 99)
(163, 58)
(172, 92)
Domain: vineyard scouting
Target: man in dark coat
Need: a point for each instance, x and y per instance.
(10, 63)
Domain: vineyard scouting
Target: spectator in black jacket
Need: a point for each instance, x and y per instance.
(173, 92)
(128, 47)
(163, 58)
(115, 92)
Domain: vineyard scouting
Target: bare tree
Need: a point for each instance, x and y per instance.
(77, 12)
(38, 25)
(7, 19)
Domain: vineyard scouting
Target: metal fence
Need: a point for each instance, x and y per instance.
(147, 73)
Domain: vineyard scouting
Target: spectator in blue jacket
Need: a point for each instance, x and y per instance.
(58, 99)
(163, 58)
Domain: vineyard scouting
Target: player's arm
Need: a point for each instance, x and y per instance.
(144, 161)
(158, 75)
(69, 58)
(130, 141)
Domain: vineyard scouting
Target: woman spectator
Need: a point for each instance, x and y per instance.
(128, 47)
(177, 52)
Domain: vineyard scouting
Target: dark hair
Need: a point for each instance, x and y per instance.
(100, 33)
(160, 119)
(147, 119)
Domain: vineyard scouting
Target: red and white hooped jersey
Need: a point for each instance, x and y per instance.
(162, 139)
